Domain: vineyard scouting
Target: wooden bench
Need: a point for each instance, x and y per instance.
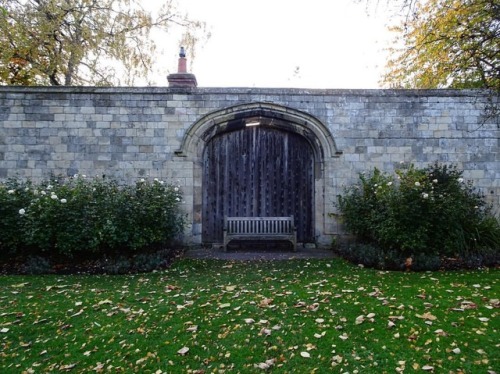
(260, 228)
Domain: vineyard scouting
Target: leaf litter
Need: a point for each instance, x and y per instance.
(303, 316)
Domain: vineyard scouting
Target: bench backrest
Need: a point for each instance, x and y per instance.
(259, 225)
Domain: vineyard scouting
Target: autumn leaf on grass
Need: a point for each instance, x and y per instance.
(360, 319)
(67, 367)
(192, 328)
(265, 303)
(265, 332)
(183, 351)
(265, 365)
(427, 316)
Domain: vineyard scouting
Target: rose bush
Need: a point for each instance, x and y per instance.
(82, 215)
(430, 211)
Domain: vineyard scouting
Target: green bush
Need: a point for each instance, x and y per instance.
(81, 216)
(430, 211)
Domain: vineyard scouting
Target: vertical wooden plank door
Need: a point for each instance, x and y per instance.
(257, 172)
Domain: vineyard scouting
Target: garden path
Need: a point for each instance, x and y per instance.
(256, 255)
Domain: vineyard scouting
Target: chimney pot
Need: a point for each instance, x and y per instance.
(182, 78)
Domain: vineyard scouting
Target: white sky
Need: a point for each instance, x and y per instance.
(261, 43)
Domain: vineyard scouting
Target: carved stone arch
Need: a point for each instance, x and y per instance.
(272, 115)
(268, 115)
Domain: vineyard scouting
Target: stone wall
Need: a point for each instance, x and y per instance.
(130, 133)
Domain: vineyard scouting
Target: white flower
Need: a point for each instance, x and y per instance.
(176, 189)
(417, 184)
(11, 191)
(460, 180)
(26, 189)
(389, 183)
(434, 181)
(161, 182)
(54, 197)
(64, 201)
(156, 179)
(75, 176)
(142, 180)
(425, 195)
(49, 187)
(375, 185)
(43, 193)
(177, 199)
(35, 192)
(84, 176)
(22, 211)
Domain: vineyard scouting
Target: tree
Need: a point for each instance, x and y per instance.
(447, 44)
(82, 42)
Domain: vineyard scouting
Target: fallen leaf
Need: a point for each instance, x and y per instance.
(265, 365)
(265, 303)
(305, 354)
(427, 316)
(19, 285)
(359, 319)
(183, 351)
(102, 302)
(67, 367)
(192, 328)
(265, 331)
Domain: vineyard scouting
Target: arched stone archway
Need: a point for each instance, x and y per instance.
(286, 126)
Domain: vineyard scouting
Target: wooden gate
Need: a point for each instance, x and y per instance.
(257, 172)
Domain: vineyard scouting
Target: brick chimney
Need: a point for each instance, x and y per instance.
(182, 78)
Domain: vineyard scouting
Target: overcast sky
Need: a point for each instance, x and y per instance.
(288, 43)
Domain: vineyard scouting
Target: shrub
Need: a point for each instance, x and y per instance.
(36, 265)
(82, 216)
(430, 211)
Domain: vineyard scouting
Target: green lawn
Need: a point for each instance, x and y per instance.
(287, 316)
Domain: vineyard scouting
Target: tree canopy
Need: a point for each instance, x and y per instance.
(447, 44)
(83, 42)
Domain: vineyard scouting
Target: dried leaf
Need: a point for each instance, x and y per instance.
(359, 319)
(183, 351)
(427, 316)
(265, 365)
